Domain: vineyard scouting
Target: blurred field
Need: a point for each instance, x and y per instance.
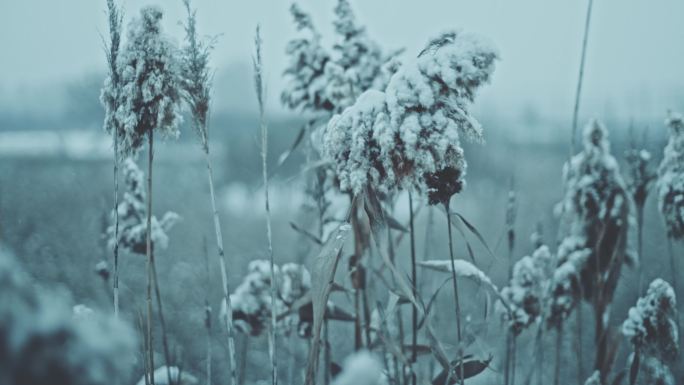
(54, 208)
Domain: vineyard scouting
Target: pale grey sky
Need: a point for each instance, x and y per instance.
(635, 61)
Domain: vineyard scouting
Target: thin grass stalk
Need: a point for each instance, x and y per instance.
(640, 243)
(507, 363)
(202, 81)
(580, 367)
(112, 58)
(207, 310)
(429, 227)
(401, 375)
(162, 322)
(366, 313)
(559, 345)
(243, 361)
(116, 226)
(148, 251)
(675, 287)
(539, 353)
(456, 299)
(258, 82)
(398, 369)
(355, 269)
(509, 377)
(673, 264)
(224, 276)
(293, 359)
(514, 349)
(326, 351)
(143, 342)
(414, 282)
(580, 78)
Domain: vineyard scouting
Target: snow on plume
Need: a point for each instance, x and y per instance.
(41, 342)
(133, 215)
(196, 75)
(525, 293)
(653, 371)
(409, 135)
(640, 174)
(111, 90)
(670, 183)
(597, 212)
(361, 368)
(305, 88)
(150, 82)
(251, 300)
(161, 377)
(572, 256)
(327, 81)
(651, 324)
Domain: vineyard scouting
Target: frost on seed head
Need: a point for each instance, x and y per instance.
(409, 135)
(361, 368)
(323, 80)
(42, 342)
(653, 371)
(526, 291)
(597, 214)
(651, 324)
(133, 216)
(564, 286)
(305, 86)
(670, 183)
(641, 175)
(251, 300)
(149, 83)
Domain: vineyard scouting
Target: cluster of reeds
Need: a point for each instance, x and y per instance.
(381, 128)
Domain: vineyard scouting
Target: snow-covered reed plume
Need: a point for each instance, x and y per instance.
(564, 289)
(42, 343)
(324, 80)
(651, 325)
(252, 298)
(305, 71)
(671, 179)
(526, 292)
(652, 330)
(597, 210)
(653, 371)
(640, 178)
(196, 75)
(150, 101)
(110, 99)
(670, 188)
(132, 213)
(196, 83)
(409, 135)
(150, 82)
(361, 368)
(359, 62)
(640, 174)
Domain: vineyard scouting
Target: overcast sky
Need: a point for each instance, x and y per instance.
(635, 61)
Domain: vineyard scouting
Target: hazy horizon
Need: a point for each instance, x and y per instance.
(539, 42)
